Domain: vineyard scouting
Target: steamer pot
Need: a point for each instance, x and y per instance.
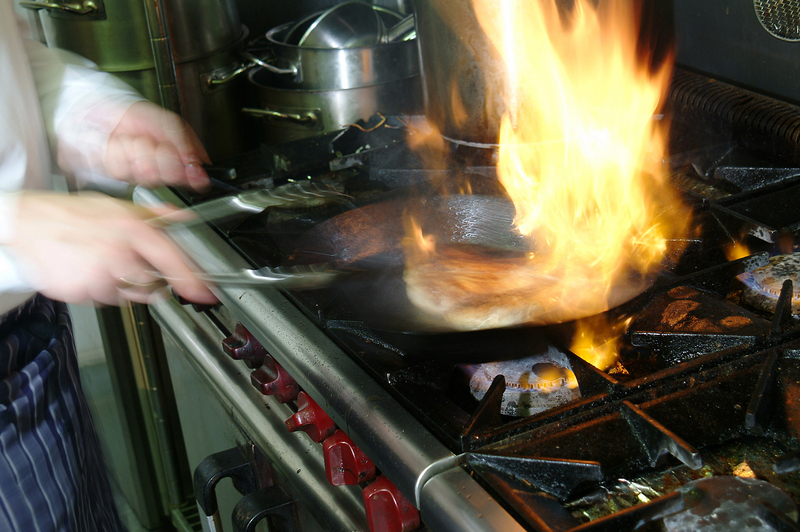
(288, 66)
(291, 114)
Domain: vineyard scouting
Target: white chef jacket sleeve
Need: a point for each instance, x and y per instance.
(81, 106)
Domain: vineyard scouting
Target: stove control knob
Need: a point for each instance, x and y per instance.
(311, 419)
(345, 463)
(272, 379)
(242, 345)
(387, 509)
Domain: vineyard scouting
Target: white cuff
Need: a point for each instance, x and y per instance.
(9, 204)
(12, 278)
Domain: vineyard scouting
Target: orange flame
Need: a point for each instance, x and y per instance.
(598, 343)
(580, 134)
(581, 158)
(737, 250)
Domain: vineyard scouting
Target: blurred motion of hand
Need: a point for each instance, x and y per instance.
(149, 146)
(93, 248)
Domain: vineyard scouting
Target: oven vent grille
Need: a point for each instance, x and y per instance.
(781, 18)
(760, 122)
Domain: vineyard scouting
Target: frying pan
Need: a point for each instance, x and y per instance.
(373, 234)
(368, 241)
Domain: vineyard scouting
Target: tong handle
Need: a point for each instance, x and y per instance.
(253, 202)
(293, 277)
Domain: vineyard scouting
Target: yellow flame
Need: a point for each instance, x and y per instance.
(581, 158)
(580, 135)
(736, 251)
(597, 341)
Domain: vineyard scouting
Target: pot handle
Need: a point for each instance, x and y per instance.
(224, 76)
(292, 70)
(308, 118)
(84, 8)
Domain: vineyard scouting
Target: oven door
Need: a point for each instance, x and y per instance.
(219, 410)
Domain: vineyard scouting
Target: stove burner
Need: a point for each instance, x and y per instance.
(719, 504)
(534, 384)
(763, 285)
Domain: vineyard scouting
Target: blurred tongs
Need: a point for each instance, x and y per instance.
(300, 194)
(286, 278)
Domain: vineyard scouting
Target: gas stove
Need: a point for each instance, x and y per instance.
(702, 401)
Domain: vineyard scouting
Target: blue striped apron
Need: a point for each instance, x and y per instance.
(52, 474)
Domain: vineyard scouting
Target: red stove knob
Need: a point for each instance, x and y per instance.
(272, 379)
(345, 463)
(387, 509)
(241, 345)
(311, 419)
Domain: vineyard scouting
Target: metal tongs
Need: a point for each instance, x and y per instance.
(304, 193)
(287, 278)
(300, 194)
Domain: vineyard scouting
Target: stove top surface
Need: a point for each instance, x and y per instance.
(706, 385)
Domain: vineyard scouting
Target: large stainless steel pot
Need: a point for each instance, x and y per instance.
(307, 91)
(292, 114)
(114, 33)
(289, 66)
(462, 72)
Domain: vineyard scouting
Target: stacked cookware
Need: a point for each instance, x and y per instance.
(351, 62)
(163, 46)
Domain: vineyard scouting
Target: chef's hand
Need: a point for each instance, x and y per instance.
(93, 248)
(153, 147)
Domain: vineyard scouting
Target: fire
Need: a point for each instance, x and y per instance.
(581, 158)
(597, 342)
(580, 151)
(737, 250)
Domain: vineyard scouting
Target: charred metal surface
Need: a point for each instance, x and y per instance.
(689, 310)
(740, 225)
(487, 415)
(759, 409)
(637, 516)
(676, 348)
(749, 178)
(718, 279)
(778, 520)
(782, 319)
(684, 322)
(693, 410)
(774, 209)
(591, 381)
(559, 478)
(788, 463)
(657, 440)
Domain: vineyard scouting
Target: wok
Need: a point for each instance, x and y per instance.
(368, 241)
